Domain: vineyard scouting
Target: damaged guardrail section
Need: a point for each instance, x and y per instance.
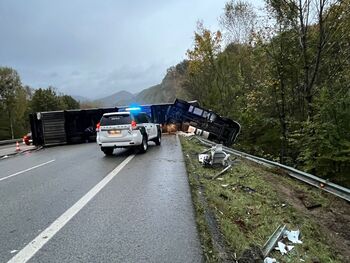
(313, 180)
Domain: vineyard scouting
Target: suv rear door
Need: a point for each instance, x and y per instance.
(115, 127)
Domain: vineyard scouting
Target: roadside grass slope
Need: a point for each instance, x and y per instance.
(250, 202)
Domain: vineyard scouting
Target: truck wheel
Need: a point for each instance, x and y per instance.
(158, 139)
(144, 145)
(107, 150)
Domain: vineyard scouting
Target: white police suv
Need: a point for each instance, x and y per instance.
(126, 129)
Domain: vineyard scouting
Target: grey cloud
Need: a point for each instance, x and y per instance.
(93, 48)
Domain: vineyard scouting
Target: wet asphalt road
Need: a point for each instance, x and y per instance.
(144, 214)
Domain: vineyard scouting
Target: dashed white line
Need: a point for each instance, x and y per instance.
(34, 246)
(26, 170)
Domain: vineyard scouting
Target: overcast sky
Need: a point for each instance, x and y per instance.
(95, 48)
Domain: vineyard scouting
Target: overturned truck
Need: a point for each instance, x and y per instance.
(77, 126)
(218, 129)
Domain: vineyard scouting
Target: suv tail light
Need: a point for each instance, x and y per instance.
(133, 125)
(98, 125)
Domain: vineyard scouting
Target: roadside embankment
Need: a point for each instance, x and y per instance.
(237, 212)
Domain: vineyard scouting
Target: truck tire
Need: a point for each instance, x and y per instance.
(107, 150)
(144, 145)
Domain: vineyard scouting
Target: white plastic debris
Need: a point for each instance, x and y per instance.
(283, 248)
(13, 251)
(202, 157)
(225, 185)
(270, 260)
(293, 236)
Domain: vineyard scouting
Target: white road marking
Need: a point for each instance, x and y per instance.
(34, 246)
(26, 170)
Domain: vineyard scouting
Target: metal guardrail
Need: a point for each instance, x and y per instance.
(5, 142)
(313, 180)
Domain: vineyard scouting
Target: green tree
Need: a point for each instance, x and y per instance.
(45, 100)
(10, 89)
(201, 66)
(238, 21)
(326, 150)
(69, 103)
(287, 82)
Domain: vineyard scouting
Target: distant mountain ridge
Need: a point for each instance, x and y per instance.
(170, 88)
(119, 98)
(80, 98)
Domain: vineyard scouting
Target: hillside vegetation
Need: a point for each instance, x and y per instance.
(285, 76)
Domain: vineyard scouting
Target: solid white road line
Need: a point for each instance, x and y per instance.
(26, 170)
(34, 246)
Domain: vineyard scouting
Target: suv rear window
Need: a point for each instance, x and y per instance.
(119, 119)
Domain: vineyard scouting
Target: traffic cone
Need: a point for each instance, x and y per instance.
(17, 147)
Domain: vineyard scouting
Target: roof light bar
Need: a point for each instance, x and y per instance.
(133, 109)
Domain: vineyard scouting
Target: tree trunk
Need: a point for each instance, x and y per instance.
(11, 125)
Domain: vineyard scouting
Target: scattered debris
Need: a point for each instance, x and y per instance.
(216, 157)
(283, 248)
(13, 251)
(270, 260)
(203, 158)
(280, 233)
(293, 236)
(247, 189)
(225, 185)
(271, 242)
(221, 172)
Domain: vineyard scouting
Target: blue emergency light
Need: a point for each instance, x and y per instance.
(133, 109)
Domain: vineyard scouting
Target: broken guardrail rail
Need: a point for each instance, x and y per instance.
(313, 180)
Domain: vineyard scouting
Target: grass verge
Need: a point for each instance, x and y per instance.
(249, 202)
